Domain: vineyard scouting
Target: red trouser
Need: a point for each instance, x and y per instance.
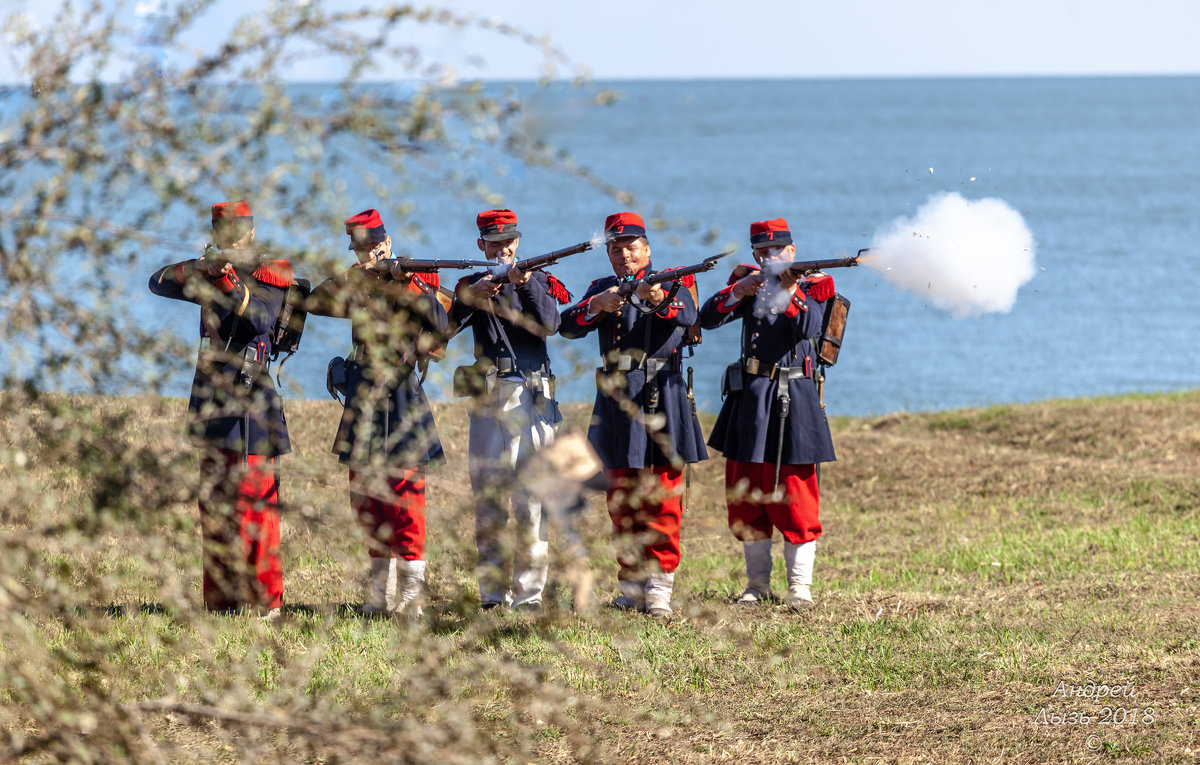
(795, 515)
(646, 507)
(391, 509)
(240, 500)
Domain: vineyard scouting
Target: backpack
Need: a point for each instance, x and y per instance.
(829, 344)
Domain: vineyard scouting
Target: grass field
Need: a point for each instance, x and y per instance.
(984, 577)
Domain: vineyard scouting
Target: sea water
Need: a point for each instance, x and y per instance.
(1105, 172)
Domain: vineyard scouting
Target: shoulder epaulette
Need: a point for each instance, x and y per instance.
(557, 290)
(429, 277)
(821, 288)
(277, 273)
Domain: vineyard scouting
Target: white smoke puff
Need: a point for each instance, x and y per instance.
(772, 299)
(965, 257)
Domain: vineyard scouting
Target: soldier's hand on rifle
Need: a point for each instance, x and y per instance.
(484, 289)
(217, 270)
(607, 302)
(748, 285)
(397, 272)
(518, 277)
(788, 280)
(212, 264)
(651, 294)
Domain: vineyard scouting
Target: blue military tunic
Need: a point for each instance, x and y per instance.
(536, 302)
(748, 426)
(621, 441)
(513, 333)
(387, 418)
(232, 391)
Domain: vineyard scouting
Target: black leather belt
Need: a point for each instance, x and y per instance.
(627, 363)
(753, 366)
(508, 366)
(623, 361)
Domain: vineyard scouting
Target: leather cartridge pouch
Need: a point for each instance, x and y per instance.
(474, 380)
(335, 377)
(732, 381)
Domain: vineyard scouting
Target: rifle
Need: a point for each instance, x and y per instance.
(624, 289)
(414, 264)
(215, 254)
(806, 267)
(537, 262)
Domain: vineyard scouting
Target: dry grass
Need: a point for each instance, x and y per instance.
(971, 561)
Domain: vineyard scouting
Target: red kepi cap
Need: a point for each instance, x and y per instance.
(497, 225)
(365, 228)
(623, 224)
(229, 211)
(769, 233)
(232, 220)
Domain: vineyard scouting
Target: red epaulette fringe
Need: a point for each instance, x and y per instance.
(429, 277)
(821, 288)
(277, 273)
(557, 290)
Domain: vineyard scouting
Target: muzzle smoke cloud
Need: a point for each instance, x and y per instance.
(772, 300)
(965, 257)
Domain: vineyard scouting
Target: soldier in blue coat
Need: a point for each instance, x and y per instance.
(513, 411)
(642, 426)
(235, 413)
(387, 434)
(772, 427)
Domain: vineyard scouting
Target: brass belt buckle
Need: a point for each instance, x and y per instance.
(751, 365)
(624, 362)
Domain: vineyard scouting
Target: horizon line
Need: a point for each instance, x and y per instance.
(722, 78)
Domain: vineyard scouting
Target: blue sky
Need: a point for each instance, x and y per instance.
(622, 39)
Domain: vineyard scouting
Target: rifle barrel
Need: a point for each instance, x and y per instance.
(803, 267)
(672, 274)
(549, 258)
(675, 274)
(416, 264)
